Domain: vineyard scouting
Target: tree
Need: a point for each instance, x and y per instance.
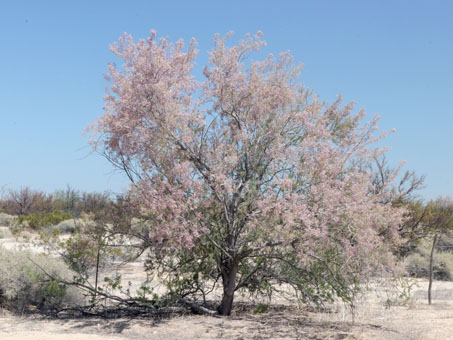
(438, 220)
(95, 202)
(25, 201)
(412, 228)
(66, 199)
(246, 176)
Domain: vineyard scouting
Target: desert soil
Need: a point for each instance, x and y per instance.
(372, 320)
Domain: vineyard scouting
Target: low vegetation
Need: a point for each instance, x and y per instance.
(7, 220)
(26, 201)
(40, 219)
(25, 282)
(417, 263)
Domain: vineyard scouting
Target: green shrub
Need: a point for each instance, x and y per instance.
(261, 308)
(24, 283)
(44, 219)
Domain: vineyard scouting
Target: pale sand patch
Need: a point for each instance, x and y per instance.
(373, 321)
(271, 326)
(49, 336)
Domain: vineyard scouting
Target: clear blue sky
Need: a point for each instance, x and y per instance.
(394, 58)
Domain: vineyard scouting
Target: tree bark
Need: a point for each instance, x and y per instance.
(431, 269)
(229, 272)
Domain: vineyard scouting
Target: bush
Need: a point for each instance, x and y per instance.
(417, 263)
(444, 244)
(443, 266)
(77, 203)
(25, 201)
(64, 227)
(67, 226)
(23, 284)
(44, 219)
(7, 220)
(95, 203)
(5, 232)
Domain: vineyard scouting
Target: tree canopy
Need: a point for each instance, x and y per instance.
(245, 176)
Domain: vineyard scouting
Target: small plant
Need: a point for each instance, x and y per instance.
(400, 293)
(92, 246)
(261, 308)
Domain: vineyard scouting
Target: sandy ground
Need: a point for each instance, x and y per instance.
(372, 320)
(417, 321)
(375, 322)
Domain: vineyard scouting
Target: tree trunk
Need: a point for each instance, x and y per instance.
(98, 255)
(229, 271)
(431, 269)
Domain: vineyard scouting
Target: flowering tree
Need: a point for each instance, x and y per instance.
(245, 176)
